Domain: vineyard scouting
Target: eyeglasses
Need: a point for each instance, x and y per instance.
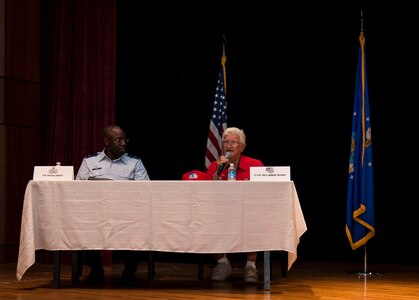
(120, 139)
(232, 143)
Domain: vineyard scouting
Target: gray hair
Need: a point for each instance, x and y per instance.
(237, 131)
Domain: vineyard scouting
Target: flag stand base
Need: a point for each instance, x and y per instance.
(369, 274)
(366, 273)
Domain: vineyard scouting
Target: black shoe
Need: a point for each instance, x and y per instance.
(96, 277)
(128, 279)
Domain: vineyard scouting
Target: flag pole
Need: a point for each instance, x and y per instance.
(360, 220)
(366, 272)
(218, 121)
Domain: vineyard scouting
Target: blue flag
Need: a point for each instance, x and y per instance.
(360, 220)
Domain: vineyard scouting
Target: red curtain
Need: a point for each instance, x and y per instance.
(78, 80)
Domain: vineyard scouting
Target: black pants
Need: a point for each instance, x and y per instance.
(131, 260)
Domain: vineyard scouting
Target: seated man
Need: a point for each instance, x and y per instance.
(233, 142)
(114, 164)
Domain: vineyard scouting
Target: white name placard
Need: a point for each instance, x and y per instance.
(53, 173)
(270, 173)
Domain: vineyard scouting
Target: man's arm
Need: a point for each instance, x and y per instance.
(140, 171)
(84, 171)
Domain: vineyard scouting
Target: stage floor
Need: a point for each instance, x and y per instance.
(179, 280)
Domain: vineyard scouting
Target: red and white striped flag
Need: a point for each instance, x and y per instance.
(218, 122)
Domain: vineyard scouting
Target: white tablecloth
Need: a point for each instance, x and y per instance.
(172, 216)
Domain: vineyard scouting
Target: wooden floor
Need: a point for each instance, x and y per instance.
(305, 280)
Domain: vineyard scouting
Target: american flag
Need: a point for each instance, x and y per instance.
(218, 122)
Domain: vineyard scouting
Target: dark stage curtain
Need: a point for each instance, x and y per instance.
(78, 79)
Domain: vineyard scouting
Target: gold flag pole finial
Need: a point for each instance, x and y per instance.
(223, 62)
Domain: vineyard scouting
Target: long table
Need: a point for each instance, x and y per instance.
(169, 216)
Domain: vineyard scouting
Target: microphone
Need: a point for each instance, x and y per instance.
(221, 167)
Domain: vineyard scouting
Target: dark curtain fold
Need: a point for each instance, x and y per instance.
(78, 79)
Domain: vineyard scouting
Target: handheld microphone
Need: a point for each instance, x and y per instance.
(221, 167)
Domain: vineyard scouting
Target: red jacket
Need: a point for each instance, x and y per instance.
(242, 171)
